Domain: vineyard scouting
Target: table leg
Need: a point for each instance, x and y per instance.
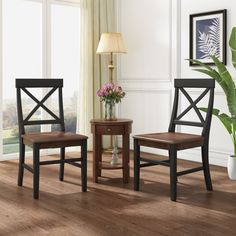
(96, 156)
(100, 156)
(125, 158)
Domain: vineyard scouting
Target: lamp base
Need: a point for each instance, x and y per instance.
(115, 157)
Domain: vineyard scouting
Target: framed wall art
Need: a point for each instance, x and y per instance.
(208, 36)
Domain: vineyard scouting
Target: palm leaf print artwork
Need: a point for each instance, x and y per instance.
(208, 38)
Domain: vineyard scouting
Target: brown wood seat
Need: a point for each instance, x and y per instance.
(52, 139)
(175, 141)
(164, 140)
(56, 139)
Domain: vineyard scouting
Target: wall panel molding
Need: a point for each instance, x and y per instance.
(155, 79)
(148, 91)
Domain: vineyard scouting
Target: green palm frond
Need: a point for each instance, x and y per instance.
(230, 92)
(232, 44)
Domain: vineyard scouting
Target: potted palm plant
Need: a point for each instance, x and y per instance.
(224, 79)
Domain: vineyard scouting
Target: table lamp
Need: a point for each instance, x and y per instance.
(111, 43)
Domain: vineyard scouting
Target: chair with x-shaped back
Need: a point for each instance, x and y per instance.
(175, 141)
(44, 140)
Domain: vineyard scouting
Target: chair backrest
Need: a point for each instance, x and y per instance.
(52, 85)
(180, 87)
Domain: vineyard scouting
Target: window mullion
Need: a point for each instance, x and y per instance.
(46, 55)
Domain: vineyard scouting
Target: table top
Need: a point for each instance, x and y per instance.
(111, 122)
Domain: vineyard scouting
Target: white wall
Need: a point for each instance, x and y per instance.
(156, 33)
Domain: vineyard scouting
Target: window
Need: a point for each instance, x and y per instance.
(65, 44)
(40, 39)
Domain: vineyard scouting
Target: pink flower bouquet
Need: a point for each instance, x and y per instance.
(110, 93)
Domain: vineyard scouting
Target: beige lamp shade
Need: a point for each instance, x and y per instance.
(111, 43)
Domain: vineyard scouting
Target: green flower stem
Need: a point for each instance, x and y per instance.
(110, 110)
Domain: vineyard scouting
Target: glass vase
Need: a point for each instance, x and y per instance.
(110, 111)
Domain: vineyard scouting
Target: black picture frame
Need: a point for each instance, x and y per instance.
(207, 36)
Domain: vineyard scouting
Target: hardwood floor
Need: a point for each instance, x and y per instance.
(113, 208)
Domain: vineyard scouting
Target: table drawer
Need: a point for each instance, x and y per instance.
(106, 129)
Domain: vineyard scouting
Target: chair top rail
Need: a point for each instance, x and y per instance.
(194, 83)
(38, 83)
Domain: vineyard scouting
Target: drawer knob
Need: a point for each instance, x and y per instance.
(109, 130)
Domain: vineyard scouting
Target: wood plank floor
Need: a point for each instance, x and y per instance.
(113, 208)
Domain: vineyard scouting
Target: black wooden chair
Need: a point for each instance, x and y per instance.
(44, 140)
(175, 141)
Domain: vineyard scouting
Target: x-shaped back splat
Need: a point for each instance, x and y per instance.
(192, 105)
(27, 121)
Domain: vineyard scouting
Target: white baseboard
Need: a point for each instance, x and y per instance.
(215, 157)
(28, 154)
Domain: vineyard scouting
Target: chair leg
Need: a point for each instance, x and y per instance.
(62, 164)
(136, 165)
(206, 169)
(21, 163)
(173, 172)
(36, 172)
(84, 165)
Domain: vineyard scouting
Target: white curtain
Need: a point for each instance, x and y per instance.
(97, 16)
